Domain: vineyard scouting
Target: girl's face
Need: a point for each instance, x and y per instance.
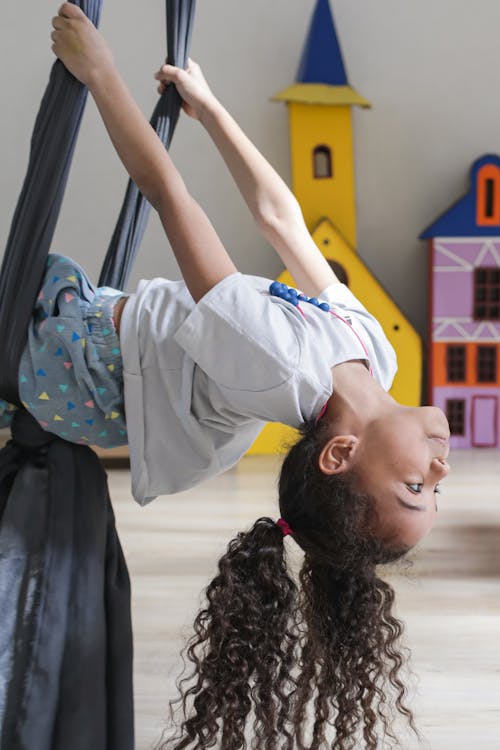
(400, 462)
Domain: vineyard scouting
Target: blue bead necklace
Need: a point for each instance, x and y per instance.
(288, 293)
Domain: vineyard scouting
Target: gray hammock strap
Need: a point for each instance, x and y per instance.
(33, 224)
(134, 213)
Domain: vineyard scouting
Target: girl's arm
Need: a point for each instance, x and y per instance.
(202, 258)
(273, 205)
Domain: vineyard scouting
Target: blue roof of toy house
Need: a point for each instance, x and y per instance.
(460, 220)
(322, 57)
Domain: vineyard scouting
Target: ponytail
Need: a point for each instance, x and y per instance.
(243, 649)
(350, 659)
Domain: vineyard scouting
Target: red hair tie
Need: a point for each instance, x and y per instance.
(285, 528)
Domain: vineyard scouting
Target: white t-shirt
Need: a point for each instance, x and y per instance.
(201, 380)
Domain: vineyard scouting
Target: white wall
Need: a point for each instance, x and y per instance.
(431, 69)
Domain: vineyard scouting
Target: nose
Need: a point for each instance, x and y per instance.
(440, 467)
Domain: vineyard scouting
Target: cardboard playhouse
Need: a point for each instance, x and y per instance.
(320, 106)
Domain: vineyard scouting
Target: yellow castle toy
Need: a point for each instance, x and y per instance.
(321, 142)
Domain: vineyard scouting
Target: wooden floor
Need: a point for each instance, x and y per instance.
(450, 599)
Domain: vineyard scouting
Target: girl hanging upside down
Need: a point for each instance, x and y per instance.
(189, 372)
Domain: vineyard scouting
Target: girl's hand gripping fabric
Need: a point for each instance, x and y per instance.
(191, 85)
(79, 45)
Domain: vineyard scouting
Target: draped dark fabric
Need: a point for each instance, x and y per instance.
(66, 637)
(135, 210)
(65, 627)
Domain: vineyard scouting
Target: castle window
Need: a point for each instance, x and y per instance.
(486, 364)
(488, 196)
(339, 271)
(455, 364)
(455, 411)
(487, 294)
(322, 163)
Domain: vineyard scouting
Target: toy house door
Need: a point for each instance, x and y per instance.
(484, 421)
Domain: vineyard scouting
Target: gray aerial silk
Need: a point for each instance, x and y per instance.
(135, 210)
(65, 632)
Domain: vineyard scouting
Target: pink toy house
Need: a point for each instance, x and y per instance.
(464, 320)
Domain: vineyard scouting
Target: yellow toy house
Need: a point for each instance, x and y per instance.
(322, 156)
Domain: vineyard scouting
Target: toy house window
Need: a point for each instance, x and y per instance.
(489, 201)
(455, 364)
(486, 364)
(322, 163)
(488, 196)
(455, 411)
(487, 294)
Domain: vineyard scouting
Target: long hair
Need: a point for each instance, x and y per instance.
(305, 666)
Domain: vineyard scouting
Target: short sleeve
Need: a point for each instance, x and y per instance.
(240, 338)
(383, 357)
(256, 354)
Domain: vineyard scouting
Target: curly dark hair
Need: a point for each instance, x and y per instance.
(293, 665)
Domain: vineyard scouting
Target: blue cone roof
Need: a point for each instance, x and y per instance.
(322, 57)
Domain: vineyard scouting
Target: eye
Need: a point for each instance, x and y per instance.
(415, 488)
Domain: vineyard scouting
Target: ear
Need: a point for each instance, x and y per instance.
(337, 454)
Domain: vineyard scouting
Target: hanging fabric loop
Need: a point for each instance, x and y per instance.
(135, 210)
